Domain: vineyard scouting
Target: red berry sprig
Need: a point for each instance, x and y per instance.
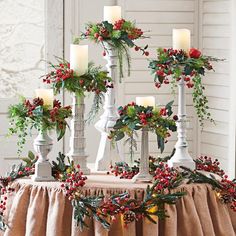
(123, 170)
(73, 183)
(61, 72)
(165, 177)
(228, 192)
(122, 204)
(4, 191)
(208, 164)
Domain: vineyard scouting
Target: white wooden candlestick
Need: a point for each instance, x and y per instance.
(77, 139)
(181, 156)
(144, 175)
(107, 154)
(43, 145)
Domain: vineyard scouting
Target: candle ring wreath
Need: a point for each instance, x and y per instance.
(173, 65)
(27, 115)
(107, 209)
(95, 80)
(134, 117)
(119, 36)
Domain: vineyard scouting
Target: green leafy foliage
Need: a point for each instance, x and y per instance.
(134, 118)
(27, 115)
(95, 80)
(117, 37)
(172, 66)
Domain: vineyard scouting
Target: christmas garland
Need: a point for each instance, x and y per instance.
(106, 210)
(120, 36)
(95, 80)
(165, 176)
(27, 115)
(100, 208)
(134, 117)
(172, 65)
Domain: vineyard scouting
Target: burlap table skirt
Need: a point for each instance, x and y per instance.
(38, 209)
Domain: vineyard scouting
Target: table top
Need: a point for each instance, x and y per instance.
(97, 180)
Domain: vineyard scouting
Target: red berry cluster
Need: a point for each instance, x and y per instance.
(208, 164)
(124, 171)
(137, 48)
(4, 191)
(228, 193)
(118, 24)
(144, 116)
(73, 182)
(63, 78)
(163, 111)
(164, 70)
(135, 33)
(54, 112)
(119, 205)
(60, 73)
(104, 33)
(28, 170)
(31, 106)
(164, 177)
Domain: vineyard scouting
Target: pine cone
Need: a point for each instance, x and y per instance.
(129, 217)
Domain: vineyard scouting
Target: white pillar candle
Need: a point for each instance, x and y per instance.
(181, 39)
(46, 95)
(145, 101)
(112, 13)
(79, 58)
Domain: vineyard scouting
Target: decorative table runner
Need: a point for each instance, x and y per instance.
(38, 209)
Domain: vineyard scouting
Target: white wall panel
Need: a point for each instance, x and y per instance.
(215, 40)
(31, 31)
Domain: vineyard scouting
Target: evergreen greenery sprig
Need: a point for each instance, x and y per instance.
(134, 117)
(95, 81)
(119, 36)
(173, 65)
(27, 115)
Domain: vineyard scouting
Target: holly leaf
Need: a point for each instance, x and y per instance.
(132, 126)
(118, 124)
(31, 155)
(128, 41)
(108, 26)
(187, 70)
(173, 128)
(119, 136)
(60, 131)
(169, 108)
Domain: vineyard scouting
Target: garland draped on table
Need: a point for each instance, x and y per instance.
(106, 210)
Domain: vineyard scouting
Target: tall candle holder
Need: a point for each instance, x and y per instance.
(77, 139)
(106, 152)
(144, 175)
(181, 156)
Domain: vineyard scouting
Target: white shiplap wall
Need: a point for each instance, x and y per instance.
(214, 39)
(160, 17)
(30, 35)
